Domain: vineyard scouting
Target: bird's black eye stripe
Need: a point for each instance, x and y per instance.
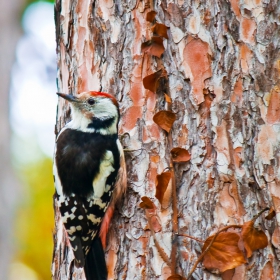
(91, 101)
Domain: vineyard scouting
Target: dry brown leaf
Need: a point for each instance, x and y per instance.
(150, 82)
(161, 184)
(176, 277)
(167, 98)
(224, 253)
(153, 47)
(151, 16)
(160, 30)
(180, 155)
(228, 274)
(271, 214)
(146, 203)
(253, 239)
(165, 119)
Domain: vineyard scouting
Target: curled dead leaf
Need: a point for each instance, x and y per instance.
(164, 119)
(167, 98)
(224, 253)
(151, 16)
(153, 47)
(161, 184)
(180, 155)
(150, 82)
(271, 214)
(160, 30)
(253, 239)
(146, 203)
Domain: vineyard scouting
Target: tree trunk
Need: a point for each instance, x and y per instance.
(220, 66)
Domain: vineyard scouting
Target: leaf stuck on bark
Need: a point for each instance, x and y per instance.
(160, 30)
(153, 47)
(150, 82)
(180, 155)
(224, 253)
(151, 16)
(146, 203)
(271, 214)
(161, 184)
(253, 239)
(167, 98)
(164, 119)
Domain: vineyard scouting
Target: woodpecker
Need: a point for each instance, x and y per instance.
(90, 176)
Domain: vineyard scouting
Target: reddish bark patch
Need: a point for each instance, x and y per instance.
(276, 238)
(210, 181)
(247, 30)
(183, 135)
(130, 118)
(197, 60)
(155, 224)
(235, 7)
(237, 156)
(154, 132)
(137, 31)
(136, 94)
(237, 96)
(273, 111)
(267, 272)
(152, 175)
(245, 57)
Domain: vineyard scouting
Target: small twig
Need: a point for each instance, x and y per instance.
(208, 247)
(191, 237)
(175, 214)
(265, 209)
(161, 251)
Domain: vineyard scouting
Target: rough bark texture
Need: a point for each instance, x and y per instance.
(223, 75)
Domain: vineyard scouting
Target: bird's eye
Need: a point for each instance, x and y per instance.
(91, 101)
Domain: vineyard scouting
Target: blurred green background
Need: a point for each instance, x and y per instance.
(32, 112)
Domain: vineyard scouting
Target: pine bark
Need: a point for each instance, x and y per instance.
(223, 75)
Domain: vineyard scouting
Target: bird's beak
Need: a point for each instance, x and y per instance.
(68, 97)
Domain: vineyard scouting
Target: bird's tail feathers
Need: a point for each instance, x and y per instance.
(95, 265)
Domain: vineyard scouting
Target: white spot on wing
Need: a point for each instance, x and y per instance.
(71, 230)
(93, 218)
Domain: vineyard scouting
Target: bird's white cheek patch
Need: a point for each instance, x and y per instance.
(106, 168)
